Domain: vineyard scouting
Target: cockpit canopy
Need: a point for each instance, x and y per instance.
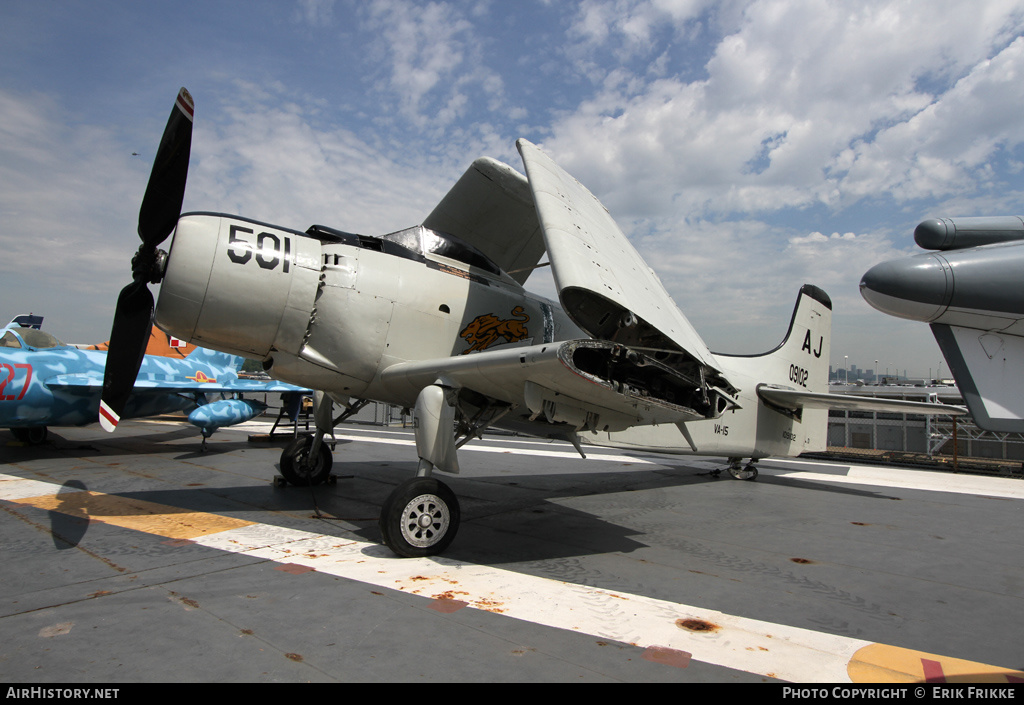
(29, 337)
(416, 241)
(423, 240)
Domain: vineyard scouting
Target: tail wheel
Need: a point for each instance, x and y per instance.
(746, 473)
(301, 470)
(420, 518)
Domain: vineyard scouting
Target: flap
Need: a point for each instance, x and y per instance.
(491, 208)
(603, 282)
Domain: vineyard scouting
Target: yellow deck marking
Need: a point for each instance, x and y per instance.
(880, 663)
(137, 514)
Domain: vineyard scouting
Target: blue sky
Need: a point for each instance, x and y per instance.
(746, 147)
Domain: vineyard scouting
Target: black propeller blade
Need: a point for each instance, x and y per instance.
(161, 207)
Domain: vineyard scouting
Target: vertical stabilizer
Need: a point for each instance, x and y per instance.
(802, 360)
(800, 365)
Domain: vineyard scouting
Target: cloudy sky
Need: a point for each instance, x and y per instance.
(746, 147)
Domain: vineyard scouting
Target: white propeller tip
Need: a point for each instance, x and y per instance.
(108, 419)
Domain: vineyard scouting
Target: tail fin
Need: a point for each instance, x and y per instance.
(27, 320)
(160, 345)
(801, 360)
(800, 364)
(803, 357)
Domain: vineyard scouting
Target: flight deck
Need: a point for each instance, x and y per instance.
(136, 557)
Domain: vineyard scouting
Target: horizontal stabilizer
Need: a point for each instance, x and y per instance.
(989, 370)
(796, 400)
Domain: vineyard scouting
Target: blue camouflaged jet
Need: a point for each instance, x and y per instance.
(44, 382)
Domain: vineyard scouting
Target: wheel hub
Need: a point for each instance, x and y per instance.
(425, 520)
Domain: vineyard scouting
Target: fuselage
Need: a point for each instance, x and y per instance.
(347, 306)
(44, 382)
(333, 311)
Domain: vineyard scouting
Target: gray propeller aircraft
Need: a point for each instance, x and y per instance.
(435, 318)
(968, 289)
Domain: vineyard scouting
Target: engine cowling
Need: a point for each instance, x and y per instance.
(239, 286)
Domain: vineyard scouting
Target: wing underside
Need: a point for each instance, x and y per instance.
(588, 384)
(988, 369)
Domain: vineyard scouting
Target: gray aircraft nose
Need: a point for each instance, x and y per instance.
(918, 287)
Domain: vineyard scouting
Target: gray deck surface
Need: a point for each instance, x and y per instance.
(621, 567)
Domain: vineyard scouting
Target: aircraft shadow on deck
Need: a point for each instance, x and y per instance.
(506, 518)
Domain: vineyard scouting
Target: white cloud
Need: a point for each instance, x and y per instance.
(276, 160)
(746, 146)
(65, 233)
(937, 151)
(316, 12)
(797, 108)
(434, 57)
(629, 24)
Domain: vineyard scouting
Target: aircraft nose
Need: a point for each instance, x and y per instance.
(918, 287)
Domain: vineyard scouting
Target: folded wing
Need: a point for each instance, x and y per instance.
(603, 282)
(491, 208)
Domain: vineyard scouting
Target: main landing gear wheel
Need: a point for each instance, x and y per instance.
(419, 518)
(301, 470)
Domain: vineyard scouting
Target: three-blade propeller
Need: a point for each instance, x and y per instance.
(161, 207)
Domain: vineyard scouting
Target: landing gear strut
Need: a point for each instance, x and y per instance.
(308, 459)
(421, 516)
(301, 468)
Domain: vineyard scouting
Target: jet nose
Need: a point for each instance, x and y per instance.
(918, 288)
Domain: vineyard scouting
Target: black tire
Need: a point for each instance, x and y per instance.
(420, 518)
(295, 465)
(31, 435)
